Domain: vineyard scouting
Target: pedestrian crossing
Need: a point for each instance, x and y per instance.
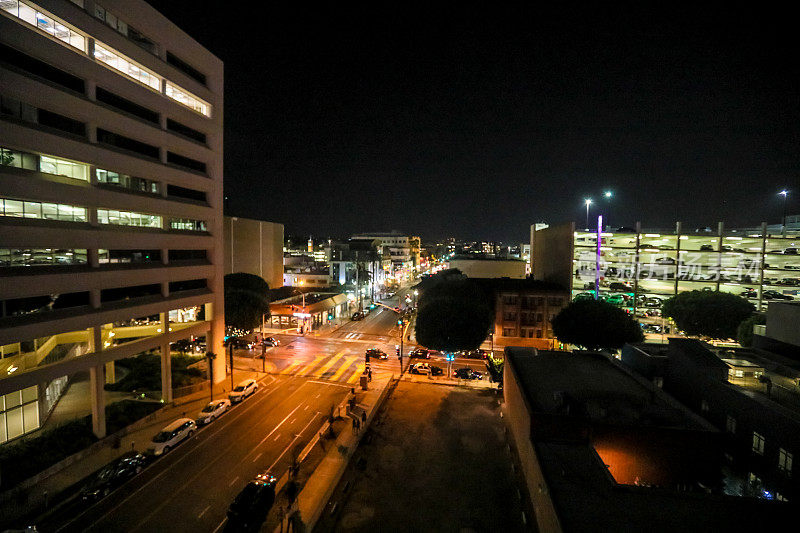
(353, 336)
(339, 367)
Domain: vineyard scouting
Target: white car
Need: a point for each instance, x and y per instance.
(212, 411)
(243, 390)
(172, 435)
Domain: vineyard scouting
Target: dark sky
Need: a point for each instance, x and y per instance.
(469, 120)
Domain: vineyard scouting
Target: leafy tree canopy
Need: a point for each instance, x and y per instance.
(708, 313)
(595, 325)
(246, 299)
(744, 333)
(454, 314)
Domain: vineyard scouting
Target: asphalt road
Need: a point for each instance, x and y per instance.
(191, 488)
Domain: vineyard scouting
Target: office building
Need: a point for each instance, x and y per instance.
(254, 247)
(111, 237)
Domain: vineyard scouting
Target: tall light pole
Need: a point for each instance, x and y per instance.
(608, 195)
(783, 193)
(588, 202)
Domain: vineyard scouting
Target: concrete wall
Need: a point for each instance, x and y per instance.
(552, 252)
(518, 419)
(783, 322)
(490, 268)
(255, 247)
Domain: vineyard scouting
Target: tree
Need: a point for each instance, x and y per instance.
(744, 333)
(595, 325)
(454, 314)
(708, 313)
(246, 300)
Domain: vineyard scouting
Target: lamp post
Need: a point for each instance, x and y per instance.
(588, 202)
(608, 196)
(783, 193)
(211, 356)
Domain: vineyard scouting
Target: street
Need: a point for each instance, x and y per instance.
(191, 488)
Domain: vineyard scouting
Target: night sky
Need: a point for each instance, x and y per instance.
(475, 121)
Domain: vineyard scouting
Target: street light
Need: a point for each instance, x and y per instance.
(588, 203)
(608, 194)
(783, 193)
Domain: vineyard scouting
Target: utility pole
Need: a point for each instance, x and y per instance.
(402, 323)
(230, 348)
(211, 356)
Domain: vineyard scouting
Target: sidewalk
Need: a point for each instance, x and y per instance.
(52, 492)
(320, 486)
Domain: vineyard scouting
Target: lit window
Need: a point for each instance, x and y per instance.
(128, 218)
(785, 461)
(126, 66)
(63, 167)
(758, 443)
(188, 99)
(32, 14)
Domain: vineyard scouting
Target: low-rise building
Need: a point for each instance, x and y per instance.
(255, 247)
(481, 266)
(602, 449)
(752, 399)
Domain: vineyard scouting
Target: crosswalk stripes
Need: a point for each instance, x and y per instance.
(353, 336)
(339, 367)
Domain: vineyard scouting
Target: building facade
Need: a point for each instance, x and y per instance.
(403, 250)
(111, 172)
(638, 269)
(254, 247)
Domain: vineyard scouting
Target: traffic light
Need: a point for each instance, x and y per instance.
(400, 322)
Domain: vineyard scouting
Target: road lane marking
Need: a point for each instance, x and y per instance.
(359, 370)
(276, 437)
(257, 456)
(293, 421)
(305, 408)
(293, 440)
(234, 481)
(204, 511)
(317, 396)
(227, 422)
(326, 366)
(220, 525)
(328, 383)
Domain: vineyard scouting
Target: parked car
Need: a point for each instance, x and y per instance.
(619, 286)
(583, 296)
(376, 353)
(419, 353)
(113, 475)
(212, 411)
(790, 251)
(243, 390)
(775, 295)
(250, 507)
(706, 248)
(425, 368)
(652, 301)
(615, 299)
(358, 315)
(468, 373)
(239, 343)
(270, 341)
(172, 435)
(749, 293)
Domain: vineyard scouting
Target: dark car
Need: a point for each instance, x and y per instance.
(706, 248)
(270, 341)
(358, 315)
(468, 373)
(775, 295)
(239, 343)
(376, 353)
(113, 475)
(619, 286)
(249, 509)
(749, 293)
(419, 353)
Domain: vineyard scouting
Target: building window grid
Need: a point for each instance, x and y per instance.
(32, 15)
(785, 461)
(758, 443)
(128, 218)
(19, 413)
(14, 257)
(41, 210)
(187, 224)
(125, 181)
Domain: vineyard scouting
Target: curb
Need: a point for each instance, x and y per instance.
(333, 480)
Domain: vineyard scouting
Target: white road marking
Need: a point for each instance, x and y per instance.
(327, 383)
(219, 526)
(292, 443)
(234, 481)
(305, 408)
(293, 421)
(277, 437)
(318, 394)
(203, 511)
(257, 456)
